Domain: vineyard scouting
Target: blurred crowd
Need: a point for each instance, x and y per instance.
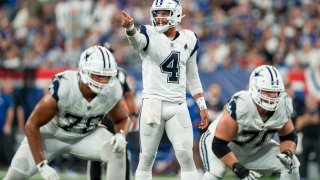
(234, 35)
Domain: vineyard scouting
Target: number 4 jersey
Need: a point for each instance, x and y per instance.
(252, 130)
(76, 116)
(167, 64)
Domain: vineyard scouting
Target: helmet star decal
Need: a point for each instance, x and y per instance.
(257, 73)
(87, 55)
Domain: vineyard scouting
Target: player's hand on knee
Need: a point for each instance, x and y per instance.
(119, 142)
(47, 172)
(244, 173)
(286, 159)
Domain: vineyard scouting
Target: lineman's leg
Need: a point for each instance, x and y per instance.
(23, 165)
(179, 130)
(150, 136)
(96, 146)
(265, 160)
(214, 168)
(94, 170)
(94, 167)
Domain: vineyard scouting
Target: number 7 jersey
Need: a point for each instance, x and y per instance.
(167, 65)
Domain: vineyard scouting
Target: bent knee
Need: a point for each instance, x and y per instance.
(16, 174)
(106, 153)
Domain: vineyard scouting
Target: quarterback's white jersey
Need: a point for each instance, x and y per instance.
(167, 65)
(252, 130)
(76, 115)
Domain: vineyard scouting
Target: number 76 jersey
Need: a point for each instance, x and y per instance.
(167, 64)
(253, 132)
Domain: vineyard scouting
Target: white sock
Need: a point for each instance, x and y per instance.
(189, 175)
(143, 175)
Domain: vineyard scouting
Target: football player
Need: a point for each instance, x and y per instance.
(94, 167)
(241, 138)
(66, 120)
(168, 66)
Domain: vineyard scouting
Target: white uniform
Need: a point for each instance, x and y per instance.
(253, 144)
(167, 67)
(74, 129)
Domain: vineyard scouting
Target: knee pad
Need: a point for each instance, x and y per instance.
(23, 166)
(106, 152)
(185, 159)
(146, 162)
(14, 174)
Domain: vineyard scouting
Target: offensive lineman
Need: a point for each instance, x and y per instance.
(168, 65)
(66, 120)
(241, 137)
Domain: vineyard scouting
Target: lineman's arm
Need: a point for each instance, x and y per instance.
(288, 137)
(44, 111)
(119, 117)
(225, 132)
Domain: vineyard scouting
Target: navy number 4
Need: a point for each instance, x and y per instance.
(171, 67)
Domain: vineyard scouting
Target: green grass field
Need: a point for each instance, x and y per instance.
(82, 176)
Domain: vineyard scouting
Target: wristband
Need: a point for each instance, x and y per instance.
(130, 28)
(288, 153)
(240, 170)
(201, 103)
(41, 164)
(134, 114)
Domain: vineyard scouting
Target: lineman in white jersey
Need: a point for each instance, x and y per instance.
(241, 137)
(66, 120)
(168, 65)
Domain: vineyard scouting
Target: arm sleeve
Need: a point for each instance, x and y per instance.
(140, 40)
(193, 79)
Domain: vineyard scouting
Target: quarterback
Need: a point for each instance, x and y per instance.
(241, 138)
(66, 120)
(168, 66)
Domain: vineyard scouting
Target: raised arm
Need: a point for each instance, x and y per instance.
(138, 40)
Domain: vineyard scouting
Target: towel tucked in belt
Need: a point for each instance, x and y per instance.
(151, 111)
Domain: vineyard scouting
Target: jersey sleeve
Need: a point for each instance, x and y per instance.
(193, 79)
(57, 88)
(140, 40)
(237, 106)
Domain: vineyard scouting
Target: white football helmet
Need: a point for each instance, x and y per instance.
(175, 13)
(266, 78)
(97, 60)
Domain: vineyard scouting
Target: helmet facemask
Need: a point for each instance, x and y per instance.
(263, 80)
(173, 19)
(100, 62)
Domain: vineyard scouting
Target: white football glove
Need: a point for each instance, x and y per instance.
(252, 175)
(244, 173)
(47, 172)
(119, 142)
(286, 159)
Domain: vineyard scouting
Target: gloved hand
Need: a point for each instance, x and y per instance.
(47, 172)
(244, 173)
(286, 159)
(119, 142)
